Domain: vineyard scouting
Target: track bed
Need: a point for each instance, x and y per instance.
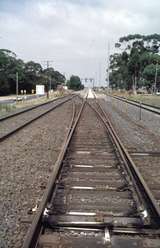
(91, 180)
(96, 199)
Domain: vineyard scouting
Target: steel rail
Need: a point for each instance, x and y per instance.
(3, 118)
(35, 229)
(2, 138)
(115, 230)
(138, 199)
(138, 105)
(38, 224)
(135, 174)
(138, 102)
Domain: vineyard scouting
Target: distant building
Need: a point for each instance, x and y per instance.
(65, 87)
(40, 89)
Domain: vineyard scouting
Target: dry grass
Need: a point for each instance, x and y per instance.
(148, 99)
(144, 98)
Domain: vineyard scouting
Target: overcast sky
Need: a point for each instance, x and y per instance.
(74, 34)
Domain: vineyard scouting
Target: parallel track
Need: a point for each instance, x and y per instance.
(148, 107)
(15, 122)
(95, 192)
(146, 159)
(8, 116)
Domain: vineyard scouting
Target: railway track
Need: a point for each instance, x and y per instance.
(96, 196)
(27, 109)
(148, 107)
(144, 152)
(15, 122)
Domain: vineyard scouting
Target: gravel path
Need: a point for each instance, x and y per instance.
(139, 137)
(26, 163)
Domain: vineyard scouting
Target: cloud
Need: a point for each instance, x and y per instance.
(74, 34)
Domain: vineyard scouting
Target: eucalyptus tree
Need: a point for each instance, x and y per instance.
(129, 65)
(29, 74)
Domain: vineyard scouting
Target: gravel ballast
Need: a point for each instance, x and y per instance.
(14, 122)
(140, 137)
(27, 159)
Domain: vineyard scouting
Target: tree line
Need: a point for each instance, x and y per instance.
(136, 63)
(29, 74)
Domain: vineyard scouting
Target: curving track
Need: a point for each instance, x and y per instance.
(96, 197)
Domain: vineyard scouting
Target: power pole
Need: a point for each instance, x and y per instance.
(108, 64)
(16, 86)
(50, 80)
(99, 74)
(155, 82)
(96, 79)
(47, 63)
(93, 82)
